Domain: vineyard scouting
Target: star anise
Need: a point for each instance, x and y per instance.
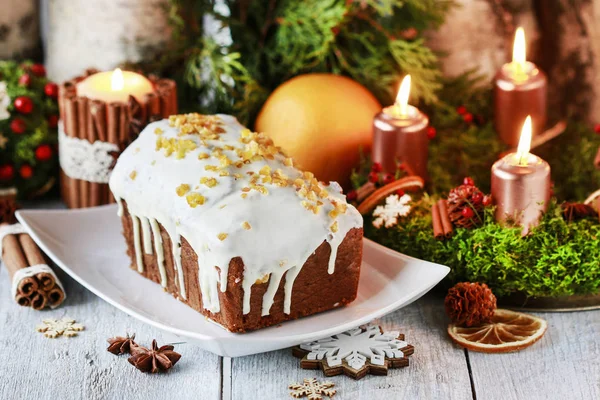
(155, 359)
(122, 345)
(575, 211)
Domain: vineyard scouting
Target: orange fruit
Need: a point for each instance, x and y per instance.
(321, 121)
(508, 331)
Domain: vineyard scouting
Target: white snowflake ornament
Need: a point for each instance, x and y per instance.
(356, 352)
(53, 328)
(395, 207)
(312, 389)
(4, 102)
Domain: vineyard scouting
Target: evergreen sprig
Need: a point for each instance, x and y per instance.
(374, 42)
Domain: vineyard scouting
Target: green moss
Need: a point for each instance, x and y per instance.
(556, 259)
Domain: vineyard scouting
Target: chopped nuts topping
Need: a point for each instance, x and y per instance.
(222, 236)
(159, 131)
(203, 156)
(246, 225)
(195, 199)
(182, 189)
(210, 182)
(334, 227)
(133, 174)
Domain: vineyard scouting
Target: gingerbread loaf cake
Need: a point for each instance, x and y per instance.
(221, 218)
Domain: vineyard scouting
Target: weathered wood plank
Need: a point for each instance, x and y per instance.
(438, 370)
(80, 368)
(564, 364)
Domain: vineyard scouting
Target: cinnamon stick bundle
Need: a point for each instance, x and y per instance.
(442, 226)
(117, 123)
(34, 284)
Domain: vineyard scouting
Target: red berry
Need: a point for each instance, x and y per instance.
(51, 90)
(468, 181)
(26, 171)
(477, 198)
(43, 152)
(25, 80)
(400, 192)
(462, 110)
(597, 128)
(374, 177)
(388, 178)
(468, 118)
(467, 212)
(6, 172)
(431, 132)
(401, 167)
(352, 195)
(487, 200)
(52, 121)
(376, 167)
(23, 104)
(18, 126)
(38, 70)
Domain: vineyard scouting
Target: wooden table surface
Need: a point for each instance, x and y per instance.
(564, 364)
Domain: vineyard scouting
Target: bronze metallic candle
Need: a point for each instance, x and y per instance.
(521, 184)
(400, 136)
(519, 90)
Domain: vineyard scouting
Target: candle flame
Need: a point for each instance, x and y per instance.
(524, 142)
(519, 53)
(116, 80)
(403, 94)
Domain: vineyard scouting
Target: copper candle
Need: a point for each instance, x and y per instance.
(400, 136)
(521, 184)
(519, 90)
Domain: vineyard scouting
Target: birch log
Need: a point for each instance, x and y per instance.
(102, 34)
(563, 39)
(19, 29)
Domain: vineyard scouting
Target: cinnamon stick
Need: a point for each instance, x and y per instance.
(153, 107)
(71, 131)
(19, 252)
(39, 300)
(364, 191)
(445, 217)
(55, 296)
(34, 256)
(82, 133)
(438, 230)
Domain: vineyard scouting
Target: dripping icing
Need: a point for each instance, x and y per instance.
(147, 239)
(136, 243)
(160, 251)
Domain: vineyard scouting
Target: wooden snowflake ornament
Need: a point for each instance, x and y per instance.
(356, 352)
(312, 389)
(53, 328)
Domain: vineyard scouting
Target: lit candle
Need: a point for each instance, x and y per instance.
(521, 184)
(400, 135)
(114, 86)
(519, 90)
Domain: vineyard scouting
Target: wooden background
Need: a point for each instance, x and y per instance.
(565, 364)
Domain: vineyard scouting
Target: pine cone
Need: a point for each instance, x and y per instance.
(466, 197)
(575, 211)
(470, 304)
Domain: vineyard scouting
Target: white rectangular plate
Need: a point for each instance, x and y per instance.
(88, 245)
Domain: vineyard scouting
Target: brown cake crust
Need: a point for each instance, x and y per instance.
(314, 290)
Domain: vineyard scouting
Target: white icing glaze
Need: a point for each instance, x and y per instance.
(160, 252)
(283, 234)
(147, 239)
(136, 243)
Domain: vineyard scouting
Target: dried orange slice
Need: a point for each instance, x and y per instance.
(508, 331)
